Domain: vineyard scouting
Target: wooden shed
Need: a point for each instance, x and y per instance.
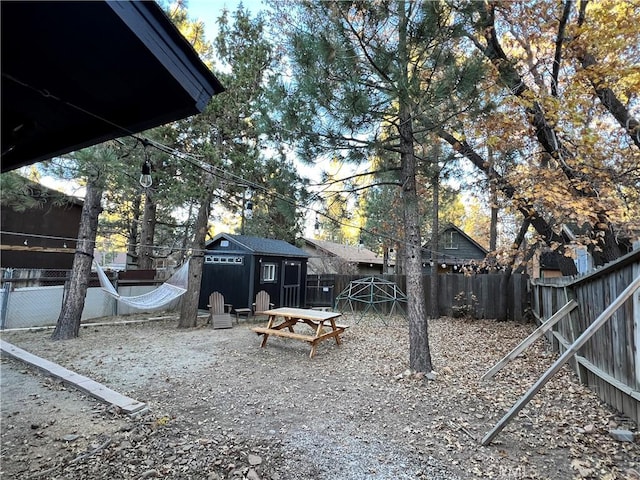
(239, 266)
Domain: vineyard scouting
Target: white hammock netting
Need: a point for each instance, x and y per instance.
(165, 293)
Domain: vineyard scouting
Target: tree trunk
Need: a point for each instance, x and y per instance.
(147, 233)
(189, 310)
(133, 229)
(185, 238)
(419, 351)
(68, 325)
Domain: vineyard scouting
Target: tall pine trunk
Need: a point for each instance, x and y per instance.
(419, 351)
(493, 226)
(68, 325)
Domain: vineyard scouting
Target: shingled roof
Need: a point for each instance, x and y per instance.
(262, 246)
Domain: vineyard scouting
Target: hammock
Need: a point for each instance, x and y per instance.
(165, 293)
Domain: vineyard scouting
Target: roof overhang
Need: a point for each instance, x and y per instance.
(77, 73)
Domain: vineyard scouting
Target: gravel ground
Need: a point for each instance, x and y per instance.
(222, 407)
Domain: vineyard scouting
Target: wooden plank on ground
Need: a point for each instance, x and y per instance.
(80, 382)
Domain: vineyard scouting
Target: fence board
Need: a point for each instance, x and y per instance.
(571, 350)
(611, 357)
(477, 292)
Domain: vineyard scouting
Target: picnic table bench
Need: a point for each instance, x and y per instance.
(322, 323)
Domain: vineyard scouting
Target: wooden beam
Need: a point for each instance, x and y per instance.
(80, 382)
(555, 318)
(580, 341)
(23, 248)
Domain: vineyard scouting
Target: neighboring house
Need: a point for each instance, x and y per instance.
(239, 266)
(42, 237)
(455, 252)
(545, 263)
(336, 258)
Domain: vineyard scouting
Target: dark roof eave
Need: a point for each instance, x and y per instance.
(79, 73)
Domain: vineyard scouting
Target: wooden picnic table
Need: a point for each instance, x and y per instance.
(282, 320)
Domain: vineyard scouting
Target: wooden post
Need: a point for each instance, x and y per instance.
(555, 318)
(580, 341)
(636, 328)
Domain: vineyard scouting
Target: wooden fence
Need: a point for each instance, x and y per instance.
(609, 362)
(499, 296)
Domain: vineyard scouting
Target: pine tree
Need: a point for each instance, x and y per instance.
(364, 80)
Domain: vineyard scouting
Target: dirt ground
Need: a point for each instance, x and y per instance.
(222, 407)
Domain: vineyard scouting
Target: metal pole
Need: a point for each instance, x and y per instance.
(6, 290)
(244, 199)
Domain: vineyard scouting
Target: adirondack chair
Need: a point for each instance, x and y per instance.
(219, 312)
(262, 303)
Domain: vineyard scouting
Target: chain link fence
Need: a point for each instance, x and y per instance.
(34, 297)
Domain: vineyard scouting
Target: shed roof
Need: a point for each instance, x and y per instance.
(262, 246)
(75, 74)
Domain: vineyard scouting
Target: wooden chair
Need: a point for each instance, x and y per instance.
(219, 312)
(262, 303)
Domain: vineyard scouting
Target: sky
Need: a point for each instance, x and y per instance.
(209, 10)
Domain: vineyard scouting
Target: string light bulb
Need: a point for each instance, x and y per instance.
(248, 211)
(145, 176)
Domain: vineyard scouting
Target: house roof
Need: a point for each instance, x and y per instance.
(262, 246)
(350, 253)
(43, 193)
(75, 74)
(451, 226)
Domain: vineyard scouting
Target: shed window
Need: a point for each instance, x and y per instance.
(268, 272)
(226, 259)
(451, 240)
